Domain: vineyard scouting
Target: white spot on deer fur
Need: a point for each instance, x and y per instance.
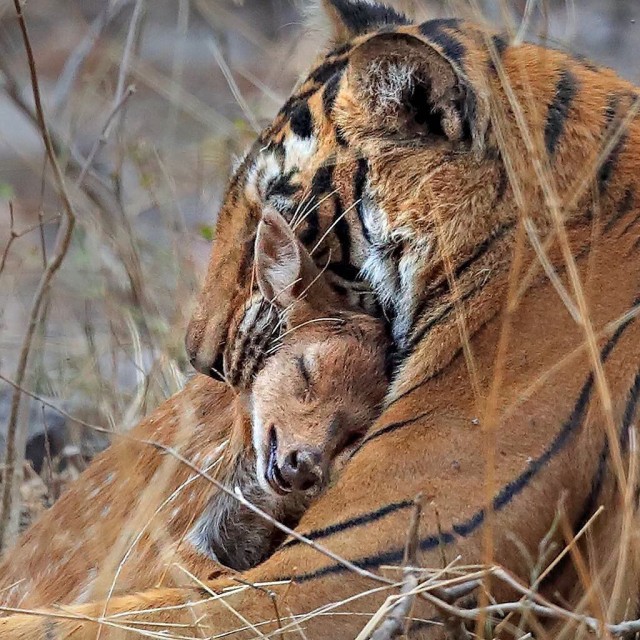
(95, 493)
(87, 588)
(110, 478)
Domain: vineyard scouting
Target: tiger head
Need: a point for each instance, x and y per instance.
(323, 386)
(365, 133)
(407, 153)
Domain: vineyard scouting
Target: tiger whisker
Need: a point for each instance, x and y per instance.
(316, 205)
(334, 223)
(283, 313)
(308, 322)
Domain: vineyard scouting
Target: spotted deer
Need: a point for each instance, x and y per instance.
(137, 519)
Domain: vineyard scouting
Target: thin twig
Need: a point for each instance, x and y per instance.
(104, 134)
(13, 458)
(395, 621)
(75, 61)
(233, 87)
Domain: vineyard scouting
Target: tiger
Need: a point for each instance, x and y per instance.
(279, 445)
(480, 196)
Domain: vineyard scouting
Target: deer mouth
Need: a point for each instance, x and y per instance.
(273, 476)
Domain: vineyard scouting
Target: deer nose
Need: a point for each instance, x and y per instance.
(301, 468)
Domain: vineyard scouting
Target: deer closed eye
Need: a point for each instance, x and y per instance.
(306, 388)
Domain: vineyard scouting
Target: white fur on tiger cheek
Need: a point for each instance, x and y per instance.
(266, 168)
(298, 152)
(395, 282)
(409, 271)
(269, 166)
(376, 268)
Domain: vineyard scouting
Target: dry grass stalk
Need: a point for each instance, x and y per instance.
(13, 457)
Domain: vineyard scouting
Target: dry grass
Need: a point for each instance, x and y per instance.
(145, 136)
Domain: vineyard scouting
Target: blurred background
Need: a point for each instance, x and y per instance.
(148, 103)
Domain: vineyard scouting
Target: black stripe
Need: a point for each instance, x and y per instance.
(558, 113)
(340, 137)
(321, 183)
(341, 50)
(451, 47)
(612, 109)
(504, 497)
(597, 481)
(282, 186)
(441, 316)
(621, 209)
(442, 287)
(358, 521)
(502, 185)
(360, 17)
(434, 376)
(359, 182)
(585, 62)
(627, 228)
(331, 92)
(390, 428)
(327, 70)
(608, 166)
(301, 120)
(500, 43)
(611, 124)
(347, 272)
(341, 229)
(291, 103)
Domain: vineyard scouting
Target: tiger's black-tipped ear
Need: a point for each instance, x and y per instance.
(407, 89)
(350, 18)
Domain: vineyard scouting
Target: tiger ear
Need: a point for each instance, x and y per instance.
(408, 89)
(350, 18)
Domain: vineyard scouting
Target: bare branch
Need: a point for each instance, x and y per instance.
(75, 61)
(14, 235)
(13, 458)
(394, 624)
(104, 134)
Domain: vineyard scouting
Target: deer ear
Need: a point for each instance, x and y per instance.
(279, 260)
(286, 273)
(350, 18)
